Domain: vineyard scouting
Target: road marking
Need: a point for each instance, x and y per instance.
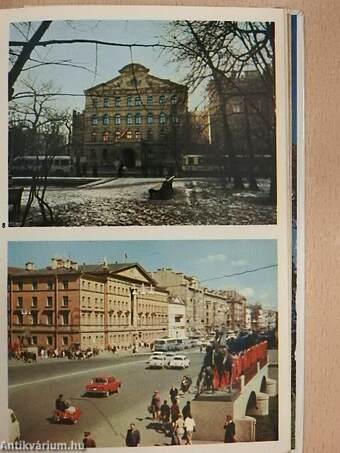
(76, 373)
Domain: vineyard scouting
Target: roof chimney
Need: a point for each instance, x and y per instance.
(29, 266)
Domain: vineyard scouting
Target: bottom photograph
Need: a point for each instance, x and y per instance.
(142, 343)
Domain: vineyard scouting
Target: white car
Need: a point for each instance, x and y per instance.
(14, 427)
(157, 361)
(179, 361)
(168, 357)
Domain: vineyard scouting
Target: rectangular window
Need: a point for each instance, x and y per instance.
(149, 100)
(49, 319)
(50, 286)
(129, 101)
(65, 341)
(34, 318)
(138, 101)
(117, 101)
(117, 135)
(137, 135)
(20, 286)
(64, 319)
(65, 285)
(19, 302)
(49, 301)
(162, 99)
(34, 340)
(65, 301)
(34, 286)
(20, 319)
(106, 102)
(34, 301)
(129, 135)
(49, 341)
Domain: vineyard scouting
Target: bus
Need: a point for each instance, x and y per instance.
(183, 343)
(41, 166)
(166, 344)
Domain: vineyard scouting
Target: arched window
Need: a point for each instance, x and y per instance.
(94, 120)
(129, 119)
(138, 118)
(162, 118)
(174, 99)
(106, 119)
(106, 102)
(106, 136)
(149, 118)
(117, 119)
(93, 137)
(162, 99)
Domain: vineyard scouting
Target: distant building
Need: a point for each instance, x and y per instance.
(135, 120)
(250, 114)
(176, 317)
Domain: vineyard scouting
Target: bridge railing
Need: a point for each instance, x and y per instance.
(245, 364)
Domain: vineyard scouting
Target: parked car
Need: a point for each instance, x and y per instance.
(103, 386)
(157, 361)
(179, 361)
(14, 427)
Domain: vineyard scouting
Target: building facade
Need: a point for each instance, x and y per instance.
(66, 305)
(136, 121)
(177, 317)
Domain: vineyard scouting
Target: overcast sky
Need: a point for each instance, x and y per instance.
(108, 60)
(204, 259)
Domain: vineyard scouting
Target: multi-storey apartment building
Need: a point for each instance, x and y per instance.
(66, 305)
(135, 120)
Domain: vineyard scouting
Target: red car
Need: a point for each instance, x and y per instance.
(103, 386)
(70, 415)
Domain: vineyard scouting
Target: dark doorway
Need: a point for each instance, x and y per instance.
(128, 158)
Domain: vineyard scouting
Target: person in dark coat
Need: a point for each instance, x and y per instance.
(186, 411)
(173, 393)
(88, 440)
(60, 404)
(165, 412)
(132, 436)
(229, 430)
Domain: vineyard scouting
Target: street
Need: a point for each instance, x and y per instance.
(33, 389)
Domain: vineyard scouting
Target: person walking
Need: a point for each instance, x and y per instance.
(179, 429)
(173, 393)
(175, 412)
(189, 425)
(132, 436)
(156, 405)
(229, 430)
(186, 411)
(165, 415)
(88, 440)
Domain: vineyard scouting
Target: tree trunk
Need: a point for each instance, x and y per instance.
(251, 177)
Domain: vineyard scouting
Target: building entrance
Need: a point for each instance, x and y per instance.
(128, 157)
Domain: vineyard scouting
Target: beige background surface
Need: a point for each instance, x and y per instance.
(322, 320)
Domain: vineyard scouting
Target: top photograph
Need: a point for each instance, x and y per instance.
(142, 122)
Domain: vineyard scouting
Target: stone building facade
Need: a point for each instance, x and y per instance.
(135, 120)
(67, 305)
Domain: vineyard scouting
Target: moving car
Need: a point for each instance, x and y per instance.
(157, 361)
(103, 385)
(69, 415)
(14, 427)
(168, 357)
(179, 361)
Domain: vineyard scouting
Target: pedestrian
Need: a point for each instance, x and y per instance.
(229, 430)
(88, 440)
(132, 436)
(179, 429)
(186, 411)
(173, 393)
(189, 425)
(165, 412)
(228, 367)
(156, 405)
(175, 411)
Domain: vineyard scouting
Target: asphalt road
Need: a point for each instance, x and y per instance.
(33, 389)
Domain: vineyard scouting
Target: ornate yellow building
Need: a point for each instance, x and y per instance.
(135, 120)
